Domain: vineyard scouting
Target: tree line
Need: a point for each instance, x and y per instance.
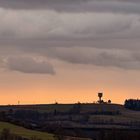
(133, 104)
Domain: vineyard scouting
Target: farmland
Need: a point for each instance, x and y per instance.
(25, 132)
(96, 112)
(79, 120)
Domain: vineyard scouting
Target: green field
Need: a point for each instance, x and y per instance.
(25, 132)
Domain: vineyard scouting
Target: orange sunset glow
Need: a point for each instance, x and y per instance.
(69, 86)
(68, 52)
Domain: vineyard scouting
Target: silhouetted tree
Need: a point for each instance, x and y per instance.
(132, 104)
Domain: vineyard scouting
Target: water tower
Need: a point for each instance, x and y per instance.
(100, 95)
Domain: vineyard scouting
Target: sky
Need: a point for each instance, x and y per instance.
(69, 50)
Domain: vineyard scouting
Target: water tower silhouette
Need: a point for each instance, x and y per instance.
(100, 95)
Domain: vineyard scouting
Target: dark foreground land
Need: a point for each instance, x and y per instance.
(95, 121)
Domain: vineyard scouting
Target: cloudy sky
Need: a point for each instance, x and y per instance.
(69, 50)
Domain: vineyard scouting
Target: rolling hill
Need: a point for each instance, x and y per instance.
(25, 132)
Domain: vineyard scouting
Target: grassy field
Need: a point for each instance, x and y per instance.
(65, 107)
(25, 132)
(40, 108)
(125, 116)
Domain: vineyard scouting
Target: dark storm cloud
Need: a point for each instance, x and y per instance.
(118, 58)
(29, 65)
(75, 35)
(46, 25)
(54, 36)
(125, 6)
